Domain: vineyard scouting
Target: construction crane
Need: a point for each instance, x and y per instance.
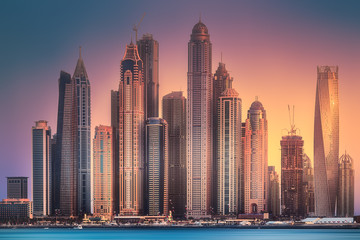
(292, 124)
(135, 28)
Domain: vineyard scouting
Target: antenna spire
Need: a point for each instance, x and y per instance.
(200, 17)
(79, 51)
(221, 57)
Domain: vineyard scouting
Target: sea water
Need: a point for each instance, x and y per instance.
(183, 234)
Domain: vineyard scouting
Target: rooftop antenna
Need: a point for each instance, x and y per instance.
(221, 57)
(135, 28)
(256, 98)
(79, 51)
(199, 16)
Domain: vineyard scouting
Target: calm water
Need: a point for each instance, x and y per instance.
(183, 234)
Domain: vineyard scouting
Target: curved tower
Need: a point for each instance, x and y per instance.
(131, 133)
(326, 140)
(199, 123)
(256, 159)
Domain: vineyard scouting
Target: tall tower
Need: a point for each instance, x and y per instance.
(149, 54)
(256, 159)
(66, 164)
(157, 167)
(345, 202)
(115, 144)
(199, 124)
(228, 151)
(292, 175)
(273, 192)
(326, 140)
(308, 187)
(41, 169)
(174, 112)
(103, 172)
(221, 81)
(131, 133)
(84, 146)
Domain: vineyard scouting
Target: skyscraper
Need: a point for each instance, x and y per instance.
(17, 187)
(308, 187)
(149, 54)
(221, 81)
(66, 164)
(274, 192)
(174, 112)
(83, 100)
(157, 167)
(292, 175)
(228, 151)
(103, 172)
(115, 137)
(131, 133)
(256, 159)
(326, 140)
(345, 207)
(41, 169)
(199, 124)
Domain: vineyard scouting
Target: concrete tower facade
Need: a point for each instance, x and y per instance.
(174, 112)
(345, 207)
(157, 167)
(103, 172)
(292, 175)
(65, 163)
(256, 159)
(274, 192)
(228, 151)
(41, 169)
(199, 124)
(221, 81)
(149, 54)
(326, 140)
(308, 187)
(17, 187)
(83, 100)
(131, 133)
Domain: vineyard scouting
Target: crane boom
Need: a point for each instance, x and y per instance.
(135, 28)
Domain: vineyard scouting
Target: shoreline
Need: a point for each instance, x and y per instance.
(170, 227)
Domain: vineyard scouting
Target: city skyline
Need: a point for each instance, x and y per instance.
(305, 79)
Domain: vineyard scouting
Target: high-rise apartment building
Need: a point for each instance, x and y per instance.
(199, 124)
(228, 151)
(115, 137)
(17, 187)
(256, 159)
(156, 167)
(308, 187)
(83, 101)
(292, 175)
(326, 140)
(149, 53)
(221, 81)
(273, 192)
(65, 163)
(131, 133)
(345, 207)
(103, 171)
(174, 112)
(41, 169)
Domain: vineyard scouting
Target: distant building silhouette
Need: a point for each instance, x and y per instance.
(149, 53)
(174, 112)
(273, 192)
(308, 187)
